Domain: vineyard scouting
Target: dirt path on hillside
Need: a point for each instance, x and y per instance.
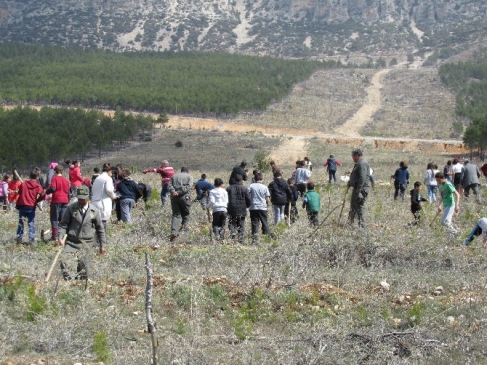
(291, 149)
(364, 115)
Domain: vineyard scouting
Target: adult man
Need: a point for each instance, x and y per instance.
(359, 182)
(448, 203)
(331, 165)
(203, 188)
(238, 170)
(166, 172)
(103, 193)
(59, 188)
(259, 198)
(81, 222)
(180, 187)
(238, 202)
(30, 193)
(301, 177)
(471, 179)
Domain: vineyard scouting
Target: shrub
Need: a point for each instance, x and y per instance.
(100, 346)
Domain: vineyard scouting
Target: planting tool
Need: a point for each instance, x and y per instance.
(343, 204)
(55, 259)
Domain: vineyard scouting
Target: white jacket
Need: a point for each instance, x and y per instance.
(218, 200)
(102, 195)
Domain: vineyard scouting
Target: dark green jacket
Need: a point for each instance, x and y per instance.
(312, 201)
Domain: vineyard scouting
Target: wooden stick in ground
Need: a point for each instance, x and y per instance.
(434, 218)
(148, 309)
(289, 215)
(49, 273)
(343, 204)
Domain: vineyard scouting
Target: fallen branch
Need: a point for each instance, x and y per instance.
(148, 309)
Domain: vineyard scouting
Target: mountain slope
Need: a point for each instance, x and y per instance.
(290, 28)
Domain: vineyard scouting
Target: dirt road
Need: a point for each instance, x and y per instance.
(364, 115)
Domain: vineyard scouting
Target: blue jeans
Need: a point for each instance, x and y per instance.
(431, 193)
(30, 214)
(164, 191)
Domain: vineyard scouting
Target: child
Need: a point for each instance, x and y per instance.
(480, 228)
(219, 203)
(291, 209)
(416, 202)
(311, 201)
(448, 203)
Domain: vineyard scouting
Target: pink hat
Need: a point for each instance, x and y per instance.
(53, 165)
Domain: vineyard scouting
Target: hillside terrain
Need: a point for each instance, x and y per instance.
(288, 28)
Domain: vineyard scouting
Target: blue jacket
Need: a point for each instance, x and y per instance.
(401, 176)
(202, 186)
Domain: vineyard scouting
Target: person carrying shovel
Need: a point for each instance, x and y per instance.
(80, 223)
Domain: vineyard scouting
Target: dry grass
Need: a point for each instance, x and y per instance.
(303, 298)
(323, 102)
(414, 105)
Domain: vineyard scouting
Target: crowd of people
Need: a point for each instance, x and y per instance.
(81, 207)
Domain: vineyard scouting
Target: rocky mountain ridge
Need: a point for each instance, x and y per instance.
(286, 28)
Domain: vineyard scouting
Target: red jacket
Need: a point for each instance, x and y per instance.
(61, 190)
(75, 177)
(29, 193)
(13, 190)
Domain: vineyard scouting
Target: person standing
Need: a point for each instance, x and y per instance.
(280, 195)
(166, 172)
(311, 202)
(430, 181)
(30, 193)
(13, 189)
(291, 210)
(203, 188)
(4, 192)
(103, 193)
(219, 202)
(240, 170)
(75, 177)
(59, 188)
(331, 165)
(301, 177)
(238, 202)
(448, 171)
(416, 203)
(470, 179)
(307, 164)
(180, 187)
(401, 180)
(82, 224)
(359, 182)
(128, 194)
(450, 202)
(259, 197)
(457, 173)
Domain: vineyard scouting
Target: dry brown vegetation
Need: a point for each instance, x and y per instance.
(321, 103)
(340, 295)
(387, 294)
(414, 104)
